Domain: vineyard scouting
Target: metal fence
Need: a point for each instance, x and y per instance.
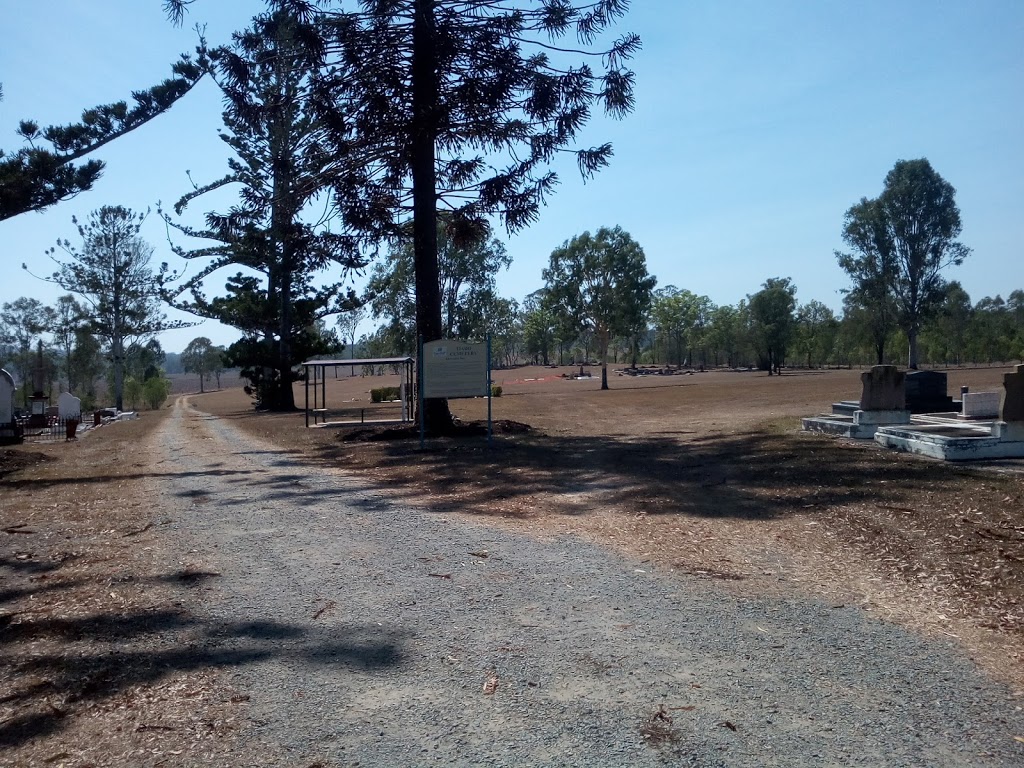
(56, 429)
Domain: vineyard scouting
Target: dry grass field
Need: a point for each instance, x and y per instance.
(710, 474)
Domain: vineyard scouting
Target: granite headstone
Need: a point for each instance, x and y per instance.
(926, 392)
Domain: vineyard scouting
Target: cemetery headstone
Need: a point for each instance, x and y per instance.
(10, 432)
(883, 389)
(38, 400)
(69, 406)
(980, 405)
(926, 392)
(7, 390)
(1011, 408)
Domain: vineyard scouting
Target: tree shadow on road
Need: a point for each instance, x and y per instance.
(57, 664)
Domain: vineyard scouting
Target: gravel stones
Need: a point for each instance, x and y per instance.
(370, 633)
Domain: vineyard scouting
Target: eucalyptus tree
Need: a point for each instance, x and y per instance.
(947, 331)
(910, 232)
(772, 320)
(539, 326)
(815, 332)
(348, 326)
(466, 271)
(871, 266)
(201, 357)
(22, 323)
(67, 316)
(725, 333)
(671, 323)
(601, 282)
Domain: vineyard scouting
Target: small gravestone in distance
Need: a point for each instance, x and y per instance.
(69, 406)
(926, 392)
(9, 430)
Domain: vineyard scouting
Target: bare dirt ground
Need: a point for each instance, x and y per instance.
(88, 600)
(705, 475)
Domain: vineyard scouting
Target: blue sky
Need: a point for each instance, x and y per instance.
(757, 125)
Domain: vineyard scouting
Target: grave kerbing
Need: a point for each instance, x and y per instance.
(882, 401)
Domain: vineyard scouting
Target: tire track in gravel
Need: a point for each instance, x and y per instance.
(365, 634)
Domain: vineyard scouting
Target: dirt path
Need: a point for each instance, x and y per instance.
(373, 634)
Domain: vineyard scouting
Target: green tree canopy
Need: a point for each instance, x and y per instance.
(293, 268)
(466, 280)
(904, 239)
(815, 332)
(45, 172)
(110, 272)
(772, 320)
(203, 358)
(601, 282)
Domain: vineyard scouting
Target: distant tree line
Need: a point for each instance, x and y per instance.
(598, 303)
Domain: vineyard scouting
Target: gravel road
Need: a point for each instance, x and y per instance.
(367, 633)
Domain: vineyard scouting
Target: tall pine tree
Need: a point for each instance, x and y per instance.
(280, 163)
(463, 105)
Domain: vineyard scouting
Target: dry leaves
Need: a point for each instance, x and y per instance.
(490, 684)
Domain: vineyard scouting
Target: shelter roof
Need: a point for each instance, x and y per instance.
(360, 361)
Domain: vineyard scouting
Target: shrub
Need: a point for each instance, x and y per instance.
(132, 392)
(384, 394)
(156, 391)
(495, 391)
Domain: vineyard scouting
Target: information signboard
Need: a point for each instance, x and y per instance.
(454, 369)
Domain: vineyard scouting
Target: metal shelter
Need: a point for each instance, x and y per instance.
(315, 373)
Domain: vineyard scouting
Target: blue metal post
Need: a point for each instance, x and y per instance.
(490, 440)
(419, 385)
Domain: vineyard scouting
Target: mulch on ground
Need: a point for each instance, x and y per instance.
(87, 675)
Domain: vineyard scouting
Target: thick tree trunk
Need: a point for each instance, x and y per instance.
(437, 418)
(912, 337)
(117, 353)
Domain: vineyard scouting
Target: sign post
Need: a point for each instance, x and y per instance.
(452, 369)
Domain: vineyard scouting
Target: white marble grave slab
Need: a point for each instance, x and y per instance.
(980, 405)
(7, 390)
(69, 406)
